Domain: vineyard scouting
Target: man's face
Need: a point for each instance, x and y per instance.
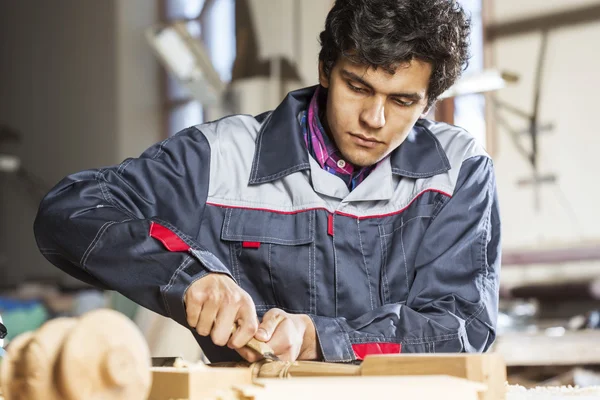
(370, 111)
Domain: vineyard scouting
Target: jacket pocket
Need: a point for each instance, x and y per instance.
(272, 257)
(400, 241)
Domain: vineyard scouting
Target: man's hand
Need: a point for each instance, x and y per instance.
(291, 336)
(214, 303)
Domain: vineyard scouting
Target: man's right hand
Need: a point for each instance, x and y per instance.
(214, 303)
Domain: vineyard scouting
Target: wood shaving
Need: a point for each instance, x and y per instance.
(517, 392)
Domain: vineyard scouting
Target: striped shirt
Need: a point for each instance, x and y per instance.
(324, 150)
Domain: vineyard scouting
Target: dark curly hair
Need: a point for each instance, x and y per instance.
(385, 33)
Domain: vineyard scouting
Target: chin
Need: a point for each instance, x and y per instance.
(361, 156)
(363, 160)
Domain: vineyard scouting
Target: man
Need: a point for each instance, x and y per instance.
(339, 225)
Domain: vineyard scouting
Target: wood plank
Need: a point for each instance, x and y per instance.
(195, 382)
(555, 255)
(488, 369)
(556, 20)
(529, 349)
(372, 387)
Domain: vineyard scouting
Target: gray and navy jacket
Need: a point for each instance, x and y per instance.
(406, 262)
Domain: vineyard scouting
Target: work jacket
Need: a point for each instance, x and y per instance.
(408, 261)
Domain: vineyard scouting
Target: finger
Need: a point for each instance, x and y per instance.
(247, 324)
(192, 312)
(225, 320)
(249, 354)
(192, 315)
(285, 341)
(267, 327)
(243, 334)
(193, 307)
(208, 314)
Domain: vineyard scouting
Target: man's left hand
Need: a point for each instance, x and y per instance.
(291, 336)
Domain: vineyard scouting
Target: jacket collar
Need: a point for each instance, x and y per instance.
(420, 155)
(281, 150)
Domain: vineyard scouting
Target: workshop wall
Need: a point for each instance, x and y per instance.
(139, 123)
(568, 213)
(80, 85)
(293, 34)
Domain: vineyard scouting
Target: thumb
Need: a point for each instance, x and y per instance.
(271, 320)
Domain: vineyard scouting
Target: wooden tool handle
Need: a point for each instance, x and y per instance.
(256, 345)
(259, 346)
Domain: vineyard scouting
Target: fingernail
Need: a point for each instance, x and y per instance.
(262, 334)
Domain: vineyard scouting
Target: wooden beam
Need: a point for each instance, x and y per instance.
(590, 252)
(546, 22)
(530, 349)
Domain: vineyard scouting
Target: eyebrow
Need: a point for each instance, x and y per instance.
(354, 77)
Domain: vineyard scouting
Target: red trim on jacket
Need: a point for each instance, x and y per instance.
(364, 349)
(169, 238)
(322, 208)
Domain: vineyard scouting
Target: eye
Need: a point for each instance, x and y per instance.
(404, 103)
(355, 88)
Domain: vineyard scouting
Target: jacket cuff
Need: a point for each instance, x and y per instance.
(190, 270)
(196, 265)
(333, 340)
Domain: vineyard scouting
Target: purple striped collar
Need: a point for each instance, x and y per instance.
(323, 149)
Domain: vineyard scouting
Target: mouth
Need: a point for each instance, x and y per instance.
(364, 141)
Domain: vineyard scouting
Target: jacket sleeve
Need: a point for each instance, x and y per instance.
(453, 303)
(134, 227)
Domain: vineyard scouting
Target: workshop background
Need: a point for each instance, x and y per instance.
(88, 83)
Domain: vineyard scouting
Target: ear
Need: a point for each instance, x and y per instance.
(323, 79)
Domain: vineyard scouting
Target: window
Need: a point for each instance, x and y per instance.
(469, 110)
(213, 22)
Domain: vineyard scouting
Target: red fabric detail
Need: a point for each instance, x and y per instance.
(167, 237)
(251, 245)
(364, 349)
(337, 212)
(330, 224)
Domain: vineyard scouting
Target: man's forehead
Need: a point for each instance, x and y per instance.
(390, 69)
(410, 76)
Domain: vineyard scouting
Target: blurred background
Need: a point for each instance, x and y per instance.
(88, 83)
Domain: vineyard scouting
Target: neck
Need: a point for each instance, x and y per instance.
(322, 102)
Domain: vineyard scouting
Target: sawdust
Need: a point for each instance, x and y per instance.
(517, 392)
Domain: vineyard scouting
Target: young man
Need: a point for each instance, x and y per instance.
(340, 224)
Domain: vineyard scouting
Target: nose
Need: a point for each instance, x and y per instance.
(373, 113)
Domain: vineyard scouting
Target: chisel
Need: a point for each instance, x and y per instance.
(261, 347)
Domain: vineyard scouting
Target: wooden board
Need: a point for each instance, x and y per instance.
(372, 387)
(195, 382)
(570, 348)
(488, 369)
